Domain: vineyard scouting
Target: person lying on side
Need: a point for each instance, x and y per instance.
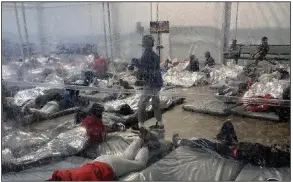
(50, 107)
(228, 146)
(109, 167)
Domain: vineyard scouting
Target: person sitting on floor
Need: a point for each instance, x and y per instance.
(228, 145)
(210, 62)
(109, 167)
(93, 123)
(194, 64)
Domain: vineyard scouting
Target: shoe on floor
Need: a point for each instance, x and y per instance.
(157, 127)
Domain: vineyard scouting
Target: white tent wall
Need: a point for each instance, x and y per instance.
(195, 27)
(124, 18)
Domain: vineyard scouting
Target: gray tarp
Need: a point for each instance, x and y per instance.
(257, 173)
(186, 164)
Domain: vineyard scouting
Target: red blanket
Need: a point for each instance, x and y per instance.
(96, 171)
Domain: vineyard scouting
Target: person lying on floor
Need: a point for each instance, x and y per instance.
(253, 153)
(50, 107)
(54, 102)
(108, 167)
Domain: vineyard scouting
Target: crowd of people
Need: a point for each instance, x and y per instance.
(136, 156)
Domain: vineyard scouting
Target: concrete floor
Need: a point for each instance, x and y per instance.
(188, 124)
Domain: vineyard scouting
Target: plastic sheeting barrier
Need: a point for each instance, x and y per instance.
(256, 173)
(186, 164)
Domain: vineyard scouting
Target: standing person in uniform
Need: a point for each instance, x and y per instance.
(149, 73)
(210, 62)
(262, 50)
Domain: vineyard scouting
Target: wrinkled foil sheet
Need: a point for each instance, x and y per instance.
(183, 78)
(126, 76)
(23, 96)
(226, 73)
(274, 87)
(30, 149)
(114, 106)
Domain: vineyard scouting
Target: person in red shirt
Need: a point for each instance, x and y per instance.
(108, 167)
(99, 65)
(94, 125)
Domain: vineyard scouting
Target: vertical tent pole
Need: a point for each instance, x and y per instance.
(225, 30)
(25, 29)
(40, 13)
(110, 30)
(18, 30)
(105, 31)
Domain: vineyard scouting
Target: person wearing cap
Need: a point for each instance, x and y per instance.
(210, 62)
(150, 76)
(262, 50)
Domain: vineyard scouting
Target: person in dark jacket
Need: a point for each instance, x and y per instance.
(209, 60)
(262, 50)
(194, 64)
(228, 146)
(149, 73)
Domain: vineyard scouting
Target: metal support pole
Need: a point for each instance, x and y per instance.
(105, 31)
(25, 29)
(226, 30)
(18, 30)
(40, 13)
(151, 6)
(110, 30)
(159, 35)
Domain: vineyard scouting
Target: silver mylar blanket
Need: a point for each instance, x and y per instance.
(178, 76)
(132, 101)
(268, 84)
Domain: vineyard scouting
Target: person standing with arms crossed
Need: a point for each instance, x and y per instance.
(149, 74)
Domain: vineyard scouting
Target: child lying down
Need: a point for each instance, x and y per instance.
(228, 146)
(108, 167)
